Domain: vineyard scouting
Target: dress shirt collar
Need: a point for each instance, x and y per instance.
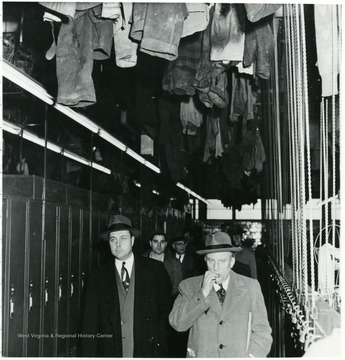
(224, 283)
(129, 265)
(178, 257)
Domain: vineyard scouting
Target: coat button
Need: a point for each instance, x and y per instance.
(221, 346)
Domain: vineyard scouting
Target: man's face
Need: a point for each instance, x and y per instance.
(180, 247)
(158, 244)
(121, 243)
(220, 264)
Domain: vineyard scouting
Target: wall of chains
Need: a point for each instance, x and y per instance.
(303, 213)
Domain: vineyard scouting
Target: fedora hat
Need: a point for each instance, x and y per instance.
(118, 223)
(179, 237)
(218, 242)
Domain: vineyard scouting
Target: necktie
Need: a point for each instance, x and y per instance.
(221, 294)
(180, 258)
(124, 277)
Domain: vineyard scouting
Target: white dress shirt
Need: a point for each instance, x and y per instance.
(129, 265)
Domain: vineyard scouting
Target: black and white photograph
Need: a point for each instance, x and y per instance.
(171, 179)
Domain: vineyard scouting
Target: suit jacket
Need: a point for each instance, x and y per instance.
(234, 329)
(152, 303)
(173, 268)
(189, 266)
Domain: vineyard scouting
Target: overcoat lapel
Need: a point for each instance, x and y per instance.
(214, 302)
(109, 290)
(234, 294)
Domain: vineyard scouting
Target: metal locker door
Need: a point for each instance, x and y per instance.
(95, 230)
(50, 280)
(63, 289)
(34, 273)
(14, 333)
(74, 293)
(86, 250)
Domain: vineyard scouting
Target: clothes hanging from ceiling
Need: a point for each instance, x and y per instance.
(159, 27)
(180, 74)
(227, 33)
(80, 41)
(327, 35)
(125, 48)
(258, 48)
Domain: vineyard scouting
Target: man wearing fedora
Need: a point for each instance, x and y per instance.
(224, 311)
(179, 244)
(127, 300)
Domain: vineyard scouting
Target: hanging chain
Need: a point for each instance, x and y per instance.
(287, 18)
(305, 89)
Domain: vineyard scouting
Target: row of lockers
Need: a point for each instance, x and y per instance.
(49, 249)
(44, 275)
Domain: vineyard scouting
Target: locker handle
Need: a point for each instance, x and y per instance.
(60, 288)
(12, 302)
(30, 302)
(72, 286)
(82, 280)
(30, 297)
(11, 308)
(46, 293)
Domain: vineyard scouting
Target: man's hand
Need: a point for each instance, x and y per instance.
(209, 280)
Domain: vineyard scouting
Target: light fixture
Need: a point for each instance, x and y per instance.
(153, 167)
(26, 83)
(191, 192)
(111, 139)
(77, 117)
(27, 135)
(135, 156)
(155, 192)
(37, 90)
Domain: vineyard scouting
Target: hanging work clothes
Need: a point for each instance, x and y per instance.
(179, 75)
(158, 27)
(80, 41)
(213, 143)
(69, 9)
(256, 12)
(171, 137)
(191, 116)
(211, 77)
(259, 151)
(258, 48)
(197, 20)
(242, 99)
(327, 34)
(204, 69)
(227, 33)
(147, 76)
(125, 49)
(247, 144)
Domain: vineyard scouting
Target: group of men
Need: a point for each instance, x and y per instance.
(153, 306)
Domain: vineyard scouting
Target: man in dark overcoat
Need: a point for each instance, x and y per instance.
(127, 301)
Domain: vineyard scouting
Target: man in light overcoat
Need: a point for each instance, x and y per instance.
(224, 311)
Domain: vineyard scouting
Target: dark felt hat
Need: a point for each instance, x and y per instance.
(218, 242)
(118, 223)
(179, 237)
